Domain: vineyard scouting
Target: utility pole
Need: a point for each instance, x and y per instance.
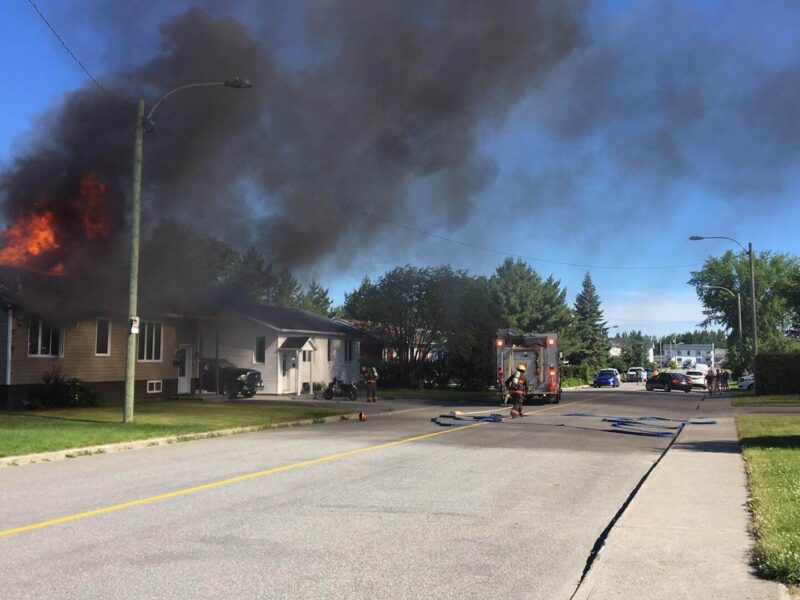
(753, 301)
(133, 319)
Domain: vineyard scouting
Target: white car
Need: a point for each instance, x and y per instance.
(636, 374)
(698, 378)
(746, 382)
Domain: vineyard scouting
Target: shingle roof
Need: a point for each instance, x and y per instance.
(294, 319)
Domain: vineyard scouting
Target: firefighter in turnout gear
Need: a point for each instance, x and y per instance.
(517, 386)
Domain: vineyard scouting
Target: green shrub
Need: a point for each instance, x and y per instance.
(776, 373)
(583, 372)
(572, 381)
(56, 391)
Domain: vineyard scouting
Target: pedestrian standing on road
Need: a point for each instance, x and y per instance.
(718, 382)
(710, 380)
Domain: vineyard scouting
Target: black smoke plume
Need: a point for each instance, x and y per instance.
(383, 94)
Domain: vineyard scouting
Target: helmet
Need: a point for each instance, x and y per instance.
(521, 367)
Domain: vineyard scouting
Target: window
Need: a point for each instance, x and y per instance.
(102, 339)
(348, 350)
(43, 339)
(150, 342)
(330, 349)
(260, 355)
(306, 355)
(154, 387)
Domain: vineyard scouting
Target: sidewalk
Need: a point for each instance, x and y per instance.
(685, 534)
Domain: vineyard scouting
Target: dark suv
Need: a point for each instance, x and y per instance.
(233, 380)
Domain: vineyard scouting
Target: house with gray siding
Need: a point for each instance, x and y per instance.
(292, 349)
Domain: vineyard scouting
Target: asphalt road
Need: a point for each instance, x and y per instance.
(375, 509)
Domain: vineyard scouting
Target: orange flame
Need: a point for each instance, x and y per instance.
(96, 224)
(31, 236)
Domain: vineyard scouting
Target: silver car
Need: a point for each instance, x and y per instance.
(746, 382)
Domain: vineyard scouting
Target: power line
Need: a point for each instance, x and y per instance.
(71, 53)
(520, 256)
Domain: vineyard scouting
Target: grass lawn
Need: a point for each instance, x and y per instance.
(750, 400)
(43, 431)
(771, 447)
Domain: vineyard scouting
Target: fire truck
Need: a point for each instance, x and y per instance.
(539, 353)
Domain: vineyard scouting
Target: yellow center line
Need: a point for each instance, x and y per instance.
(215, 484)
(253, 475)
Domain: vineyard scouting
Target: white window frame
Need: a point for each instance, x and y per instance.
(349, 350)
(108, 337)
(330, 349)
(142, 331)
(59, 354)
(155, 386)
(255, 351)
(306, 356)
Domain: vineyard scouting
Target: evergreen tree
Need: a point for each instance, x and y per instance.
(590, 331)
(526, 303)
(317, 300)
(287, 291)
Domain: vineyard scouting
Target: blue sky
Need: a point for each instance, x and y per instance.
(671, 119)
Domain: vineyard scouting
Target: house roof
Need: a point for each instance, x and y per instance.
(295, 320)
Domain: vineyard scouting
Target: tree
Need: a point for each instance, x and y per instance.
(407, 308)
(775, 308)
(250, 278)
(286, 291)
(316, 299)
(590, 331)
(634, 349)
(473, 321)
(526, 303)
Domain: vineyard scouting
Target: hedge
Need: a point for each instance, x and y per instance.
(777, 373)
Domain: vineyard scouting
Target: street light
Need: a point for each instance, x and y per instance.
(749, 251)
(738, 307)
(145, 123)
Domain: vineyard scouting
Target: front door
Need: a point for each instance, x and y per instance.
(184, 360)
(288, 367)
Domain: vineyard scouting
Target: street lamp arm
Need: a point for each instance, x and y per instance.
(695, 238)
(178, 89)
(719, 287)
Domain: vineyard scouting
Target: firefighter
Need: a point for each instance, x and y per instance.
(517, 386)
(370, 376)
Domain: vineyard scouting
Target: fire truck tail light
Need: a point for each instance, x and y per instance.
(552, 371)
(550, 341)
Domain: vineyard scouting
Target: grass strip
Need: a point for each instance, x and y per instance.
(774, 400)
(45, 431)
(771, 449)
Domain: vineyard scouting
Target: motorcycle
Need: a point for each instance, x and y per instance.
(338, 388)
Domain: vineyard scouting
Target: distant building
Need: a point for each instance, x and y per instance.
(691, 354)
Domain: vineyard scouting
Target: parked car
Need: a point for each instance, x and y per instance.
(746, 382)
(698, 378)
(669, 381)
(606, 377)
(233, 380)
(636, 374)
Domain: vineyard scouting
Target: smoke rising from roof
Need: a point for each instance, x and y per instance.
(389, 93)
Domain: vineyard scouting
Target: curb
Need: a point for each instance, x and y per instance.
(27, 459)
